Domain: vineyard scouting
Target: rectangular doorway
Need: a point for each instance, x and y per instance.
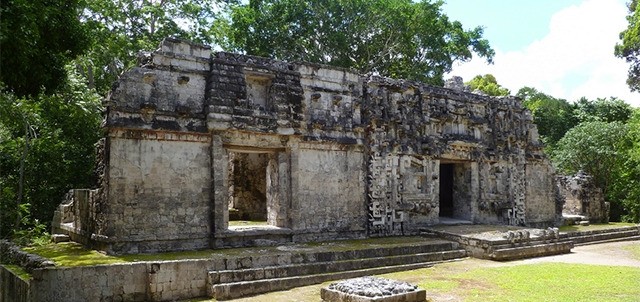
(446, 190)
(248, 188)
(455, 190)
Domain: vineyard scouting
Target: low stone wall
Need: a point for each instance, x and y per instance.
(12, 287)
(140, 281)
(12, 254)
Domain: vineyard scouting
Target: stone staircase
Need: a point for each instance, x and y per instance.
(603, 236)
(320, 266)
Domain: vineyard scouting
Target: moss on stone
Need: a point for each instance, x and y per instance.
(19, 271)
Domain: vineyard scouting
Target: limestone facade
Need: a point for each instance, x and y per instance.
(583, 198)
(194, 139)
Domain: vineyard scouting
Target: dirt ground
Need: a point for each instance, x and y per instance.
(613, 253)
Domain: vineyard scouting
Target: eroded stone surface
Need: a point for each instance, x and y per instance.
(194, 139)
(583, 198)
(372, 289)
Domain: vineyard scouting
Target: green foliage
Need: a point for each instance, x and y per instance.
(629, 49)
(38, 39)
(397, 38)
(554, 117)
(602, 150)
(120, 29)
(602, 109)
(46, 148)
(488, 84)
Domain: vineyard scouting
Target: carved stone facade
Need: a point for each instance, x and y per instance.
(194, 139)
(583, 198)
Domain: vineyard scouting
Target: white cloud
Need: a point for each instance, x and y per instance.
(574, 59)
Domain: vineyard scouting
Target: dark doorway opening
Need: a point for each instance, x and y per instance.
(248, 187)
(446, 190)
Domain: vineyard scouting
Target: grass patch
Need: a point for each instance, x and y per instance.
(554, 282)
(71, 254)
(19, 271)
(237, 223)
(593, 227)
(68, 254)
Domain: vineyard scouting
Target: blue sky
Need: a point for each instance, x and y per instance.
(561, 47)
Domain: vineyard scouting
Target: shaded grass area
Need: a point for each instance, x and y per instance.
(68, 254)
(593, 227)
(480, 280)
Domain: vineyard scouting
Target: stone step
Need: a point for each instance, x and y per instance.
(530, 251)
(581, 238)
(630, 238)
(228, 276)
(529, 243)
(611, 230)
(247, 288)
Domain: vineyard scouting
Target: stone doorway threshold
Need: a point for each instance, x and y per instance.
(453, 221)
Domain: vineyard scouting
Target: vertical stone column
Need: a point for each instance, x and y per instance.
(219, 173)
(284, 180)
(474, 190)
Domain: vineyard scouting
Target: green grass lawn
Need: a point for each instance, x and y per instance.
(550, 282)
(480, 280)
(597, 226)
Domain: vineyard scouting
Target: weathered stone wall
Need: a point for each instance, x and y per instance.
(541, 194)
(12, 287)
(329, 189)
(583, 197)
(159, 190)
(341, 155)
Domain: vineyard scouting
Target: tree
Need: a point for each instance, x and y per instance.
(629, 49)
(46, 148)
(395, 38)
(488, 84)
(554, 117)
(600, 149)
(120, 29)
(38, 39)
(603, 109)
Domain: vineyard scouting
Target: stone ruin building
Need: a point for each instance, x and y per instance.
(195, 140)
(583, 199)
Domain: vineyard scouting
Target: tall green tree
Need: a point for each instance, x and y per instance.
(602, 109)
(629, 48)
(46, 148)
(37, 39)
(120, 29)
(602, 150)
(395, 38)
(488, 84)
(553, 116)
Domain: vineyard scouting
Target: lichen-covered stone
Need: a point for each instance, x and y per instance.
(318, 152)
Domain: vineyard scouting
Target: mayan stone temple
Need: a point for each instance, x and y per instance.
(195, 140)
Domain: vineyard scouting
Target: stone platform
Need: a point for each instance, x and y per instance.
(499, 242)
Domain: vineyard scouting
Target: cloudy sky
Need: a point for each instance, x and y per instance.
(561, 47)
